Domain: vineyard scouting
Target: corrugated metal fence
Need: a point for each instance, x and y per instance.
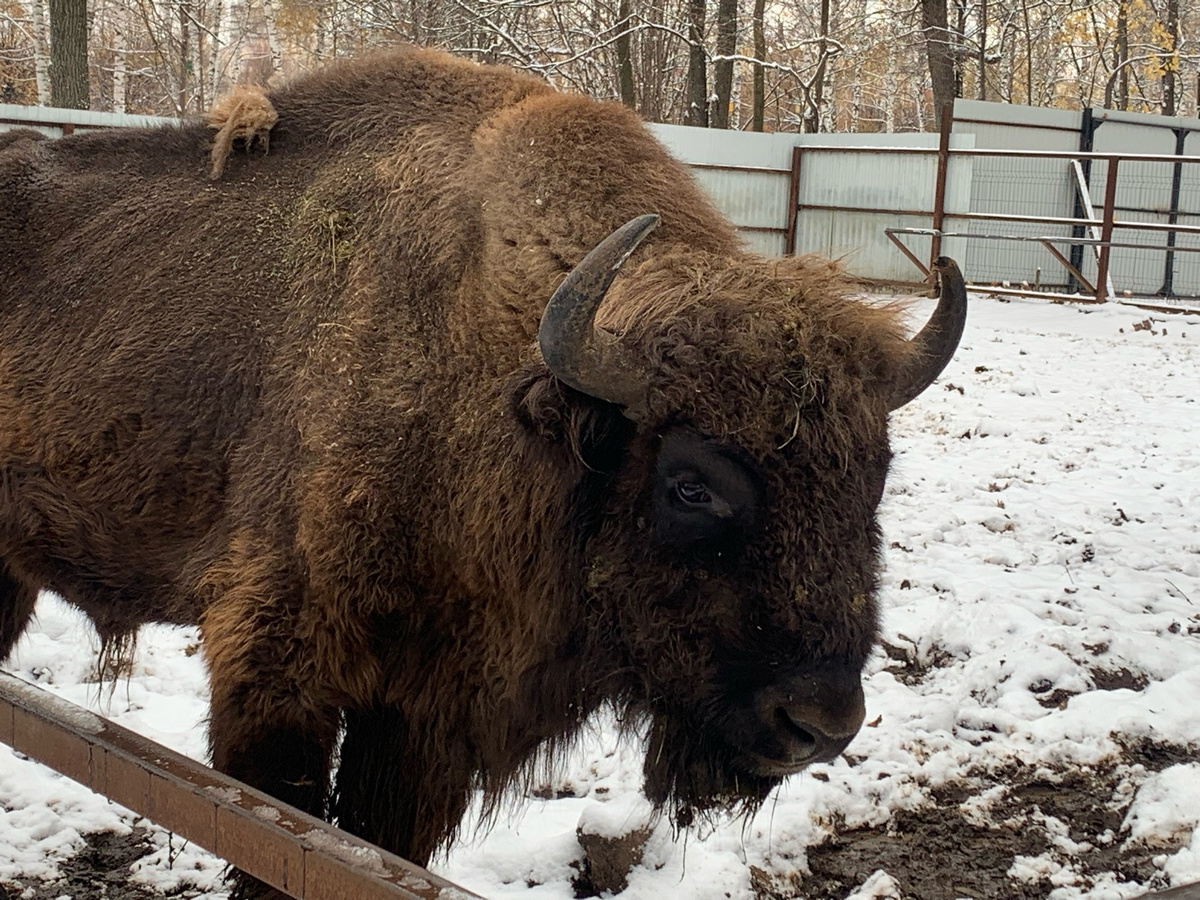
(846, 189)
(1165, 193)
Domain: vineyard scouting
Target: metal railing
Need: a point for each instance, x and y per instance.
(1094, 230)
(290, 850)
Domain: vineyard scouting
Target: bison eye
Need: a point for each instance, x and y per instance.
(706, 495)
(693, 493)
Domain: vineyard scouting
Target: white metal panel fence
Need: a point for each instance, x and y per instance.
(54, 122)
(849, 188)
(1154, 192)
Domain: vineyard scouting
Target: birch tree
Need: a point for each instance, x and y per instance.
(41, 50)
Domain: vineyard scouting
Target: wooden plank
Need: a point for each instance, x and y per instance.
(1183, 892)
(276, 843)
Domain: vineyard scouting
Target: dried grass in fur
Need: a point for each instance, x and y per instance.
(246, 115)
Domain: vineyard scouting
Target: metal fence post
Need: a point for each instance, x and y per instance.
(1106, 230)
(1087, 142)
(939, 193)
(793, 216)
(1168, 285)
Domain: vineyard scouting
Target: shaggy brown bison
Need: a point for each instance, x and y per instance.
(358, 409)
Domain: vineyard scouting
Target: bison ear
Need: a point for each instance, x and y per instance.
(593, 429)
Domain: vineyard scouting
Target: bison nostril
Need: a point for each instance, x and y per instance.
(799, 734)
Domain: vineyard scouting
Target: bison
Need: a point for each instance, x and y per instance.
(455, 417)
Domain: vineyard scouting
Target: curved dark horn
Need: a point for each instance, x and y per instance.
(575, 351)
(934, 345)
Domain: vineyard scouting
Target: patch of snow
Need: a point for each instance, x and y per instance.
(617, 817)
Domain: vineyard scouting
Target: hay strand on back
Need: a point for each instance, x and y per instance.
(246, 115)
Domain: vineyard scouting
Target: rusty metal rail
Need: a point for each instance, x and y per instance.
(292, 851)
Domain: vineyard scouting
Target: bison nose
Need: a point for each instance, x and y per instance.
(812, 717)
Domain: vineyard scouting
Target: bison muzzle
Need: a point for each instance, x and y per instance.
(455, 417)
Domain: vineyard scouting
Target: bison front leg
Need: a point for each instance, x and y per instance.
(287, 759)
(264, 736)
(270, 726)
(398, 787)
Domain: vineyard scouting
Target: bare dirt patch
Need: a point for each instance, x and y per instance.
(99, 871)
(997, 836)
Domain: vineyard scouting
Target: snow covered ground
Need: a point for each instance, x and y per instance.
(1033, 713)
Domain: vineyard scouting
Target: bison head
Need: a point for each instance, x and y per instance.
(731, 563)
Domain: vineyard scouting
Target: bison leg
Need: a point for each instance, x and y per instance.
(264, 730)
(391, 793)
(267, 726)
(16, 609)
(269, 745)
(289, 763)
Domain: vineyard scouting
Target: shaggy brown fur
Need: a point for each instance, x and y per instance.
(304, 407)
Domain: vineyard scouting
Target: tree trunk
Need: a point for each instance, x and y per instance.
(69, 53)
(120, 24)
(41, 52)
(889, 97)
(625, 56)
(185, 30)
(812, 117)
(1008, 63)
(1171, 53)
(983, 24)
(1028, 53)
(958, 40)
(921, 120)
(214, 56)
(760, 54)
(697, 95)
(272, 37)
(196, 60)
(723, 68)
(941, 55)
(1122, 51)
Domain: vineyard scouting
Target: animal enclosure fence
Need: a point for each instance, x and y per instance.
(1031, 201)
(53, 122)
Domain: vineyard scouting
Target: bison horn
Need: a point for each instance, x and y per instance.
(935, 344)
(578, 353)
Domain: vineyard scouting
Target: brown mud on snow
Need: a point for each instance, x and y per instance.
(99, 871)
(963, 844)
(969, 841)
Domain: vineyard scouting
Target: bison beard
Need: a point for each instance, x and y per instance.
(454, 418)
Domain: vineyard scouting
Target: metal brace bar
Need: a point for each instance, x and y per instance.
(1067, 263)
(912, 256)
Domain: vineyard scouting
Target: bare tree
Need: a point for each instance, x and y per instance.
(727, 30)
(41, 50)
(1170, 57)
(812, 119)
(697, 111)
(760, 55)
(69, 53)
(940, 51)
(625, 56)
